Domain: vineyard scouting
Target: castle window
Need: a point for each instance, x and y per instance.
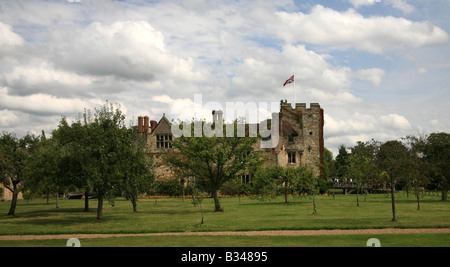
(164, 141)
(291, 157)
(245, 179)
(244, 156)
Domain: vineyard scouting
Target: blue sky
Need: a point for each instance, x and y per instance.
(379, 68)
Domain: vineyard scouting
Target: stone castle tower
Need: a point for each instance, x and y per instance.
(301, 135)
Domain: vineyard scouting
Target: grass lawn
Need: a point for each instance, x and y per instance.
(173, 215)
(391, 240)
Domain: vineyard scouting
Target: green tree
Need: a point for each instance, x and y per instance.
(310, 183)
(392, 159)
(73, 139)
(362, 168)
(105, 155)
(327, 170)
(44, 173)
(272, 181)
(137, 169)
(417, 170)
(14, 156)
(213, 161)
(355, 172)
(281, 178)
(107, 138)
(437, 154)
(342, 161)
(265, 182)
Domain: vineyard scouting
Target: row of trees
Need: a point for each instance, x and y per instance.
(412, 164)
(96, 154)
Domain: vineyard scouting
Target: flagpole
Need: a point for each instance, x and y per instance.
(293, 89)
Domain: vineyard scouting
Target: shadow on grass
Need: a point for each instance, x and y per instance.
(40, 215)
(278, 203)
(20, 214)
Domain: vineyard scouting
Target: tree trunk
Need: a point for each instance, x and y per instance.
(418, 201)
(86, 200)
(365, 192)
(12, 209)
(216, 201)
(57, 200)
(239, 195)
(394, 215)
(134, 202)
(201, 208)
(314, 203)
(183, 192)
(444, 191)
(286, 200)
(444, 194)
(100, 207)
(357, 196)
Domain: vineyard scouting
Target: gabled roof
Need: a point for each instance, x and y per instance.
(163, 126)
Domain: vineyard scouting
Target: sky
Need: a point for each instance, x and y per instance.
(379, 68)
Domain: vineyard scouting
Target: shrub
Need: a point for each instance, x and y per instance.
(169, 188)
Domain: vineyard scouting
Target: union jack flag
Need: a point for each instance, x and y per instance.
(290, 80)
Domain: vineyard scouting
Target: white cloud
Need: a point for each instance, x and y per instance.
(263, 71)
(131, 50)
(35, 75)
(365, 124)
(358, 3)
(374, 75)
(45, 104)
(8, 119)
(395, 122)
(181, 109)
(41, 72)
(362, 126)
(186, 109)
(436, 123)
(422, 70)
(357, 125)
(8, 37)
(401, 5)
(349, 29)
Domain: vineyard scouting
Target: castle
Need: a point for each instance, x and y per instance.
(300, 141)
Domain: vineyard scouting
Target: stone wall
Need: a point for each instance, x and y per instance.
(6, 194)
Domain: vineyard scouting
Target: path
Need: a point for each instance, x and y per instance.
(250, 233)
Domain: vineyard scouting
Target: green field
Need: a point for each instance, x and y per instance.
(172, 215)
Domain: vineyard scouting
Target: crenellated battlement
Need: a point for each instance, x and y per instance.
(299, 106)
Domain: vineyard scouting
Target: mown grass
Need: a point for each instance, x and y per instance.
(173, 215)
(386, 240)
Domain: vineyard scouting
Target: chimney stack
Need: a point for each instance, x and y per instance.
(140, 124)
(220, 116)
(214, 116)
(146, 124)
(153, 123)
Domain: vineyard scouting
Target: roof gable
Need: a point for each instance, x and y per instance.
(163, 127)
